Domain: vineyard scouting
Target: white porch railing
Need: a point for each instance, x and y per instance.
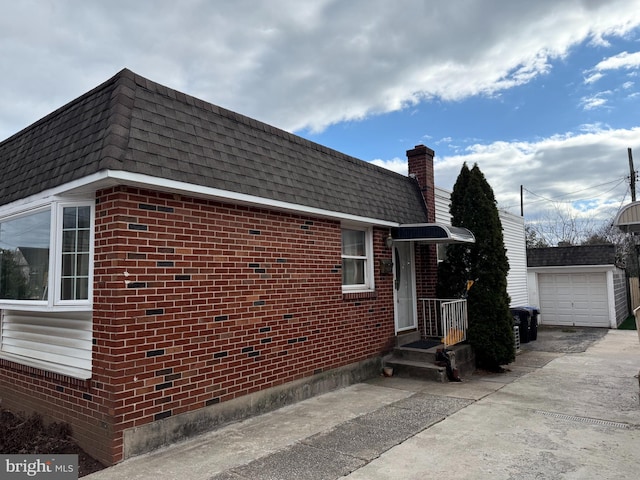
(445, 318)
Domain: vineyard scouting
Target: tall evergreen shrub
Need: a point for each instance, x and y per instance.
(473, 206)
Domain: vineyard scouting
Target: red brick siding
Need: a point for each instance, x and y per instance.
(420, 164)
(82, 404)
(198, 302)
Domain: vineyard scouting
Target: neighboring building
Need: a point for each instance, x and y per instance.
(168, 266)
(578, 285)
(514, 241)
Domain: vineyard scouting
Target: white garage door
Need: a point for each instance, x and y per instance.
(577, 299)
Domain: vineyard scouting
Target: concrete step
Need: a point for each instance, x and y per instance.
(416, 369)
(416, 354)
(420, 363)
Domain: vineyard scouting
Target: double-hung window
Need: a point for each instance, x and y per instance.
(46, 273)
(357, 259)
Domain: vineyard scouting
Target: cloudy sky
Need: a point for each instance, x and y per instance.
(543, 94)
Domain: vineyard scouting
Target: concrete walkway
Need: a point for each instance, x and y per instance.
(554, 414)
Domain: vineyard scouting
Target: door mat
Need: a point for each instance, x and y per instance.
(423, 344)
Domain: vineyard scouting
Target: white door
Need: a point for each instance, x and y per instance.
(404, 286)
(576, 299)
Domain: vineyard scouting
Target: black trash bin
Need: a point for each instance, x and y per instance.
(533, 324)
(522, 319)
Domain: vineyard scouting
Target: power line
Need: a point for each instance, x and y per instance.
(556, 199)
(618, 180)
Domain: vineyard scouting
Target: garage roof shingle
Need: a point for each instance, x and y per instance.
(573, 255)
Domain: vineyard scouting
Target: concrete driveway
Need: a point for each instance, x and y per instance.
(568, 408)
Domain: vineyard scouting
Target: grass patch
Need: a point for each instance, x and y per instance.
(628, 324)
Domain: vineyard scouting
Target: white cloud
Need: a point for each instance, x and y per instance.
(398, 165)
(622, 60)
(593, 78)
(297, 65)
(583, 172)
(595, 101)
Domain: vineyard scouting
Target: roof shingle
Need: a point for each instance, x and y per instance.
(132, 124)
(573, 255)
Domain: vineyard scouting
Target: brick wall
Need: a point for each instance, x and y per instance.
(55, 397)
(198, 302)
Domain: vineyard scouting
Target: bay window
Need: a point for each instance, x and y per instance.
(45, 256)
(46, 272)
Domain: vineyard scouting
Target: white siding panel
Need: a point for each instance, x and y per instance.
(443, 200)
(59, 342)
(514, 242)
(620, 290)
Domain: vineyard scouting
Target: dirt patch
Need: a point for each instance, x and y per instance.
(29, 435)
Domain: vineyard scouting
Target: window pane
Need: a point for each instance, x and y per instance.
(82, 288)
(67, 289)
(69, 218)
(68, 264)
(353, 243)
(24, 257)
(82, 265)
(84, 217)
(83, 240)
(352, 271)
(69, 241)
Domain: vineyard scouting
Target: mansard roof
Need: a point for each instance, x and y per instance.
(131, 124)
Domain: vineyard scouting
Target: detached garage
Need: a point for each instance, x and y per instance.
(577, 286)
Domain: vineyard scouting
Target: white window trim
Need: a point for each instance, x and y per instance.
(369, 274)
(58, 255)
(53, 302)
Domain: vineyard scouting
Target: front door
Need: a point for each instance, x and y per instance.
(404, 286)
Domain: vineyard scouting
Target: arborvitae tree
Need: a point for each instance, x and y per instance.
(473, 206)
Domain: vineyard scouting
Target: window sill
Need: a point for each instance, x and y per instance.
(33, 307)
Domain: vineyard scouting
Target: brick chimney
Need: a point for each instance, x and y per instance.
(421, 167)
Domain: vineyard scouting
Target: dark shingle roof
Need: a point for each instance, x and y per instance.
(576, 255)
(132, 124)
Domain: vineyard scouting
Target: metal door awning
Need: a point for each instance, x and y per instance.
(431, 233)
(628, 218)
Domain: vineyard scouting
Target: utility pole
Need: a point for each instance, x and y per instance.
(521, 201)
(632, 176)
